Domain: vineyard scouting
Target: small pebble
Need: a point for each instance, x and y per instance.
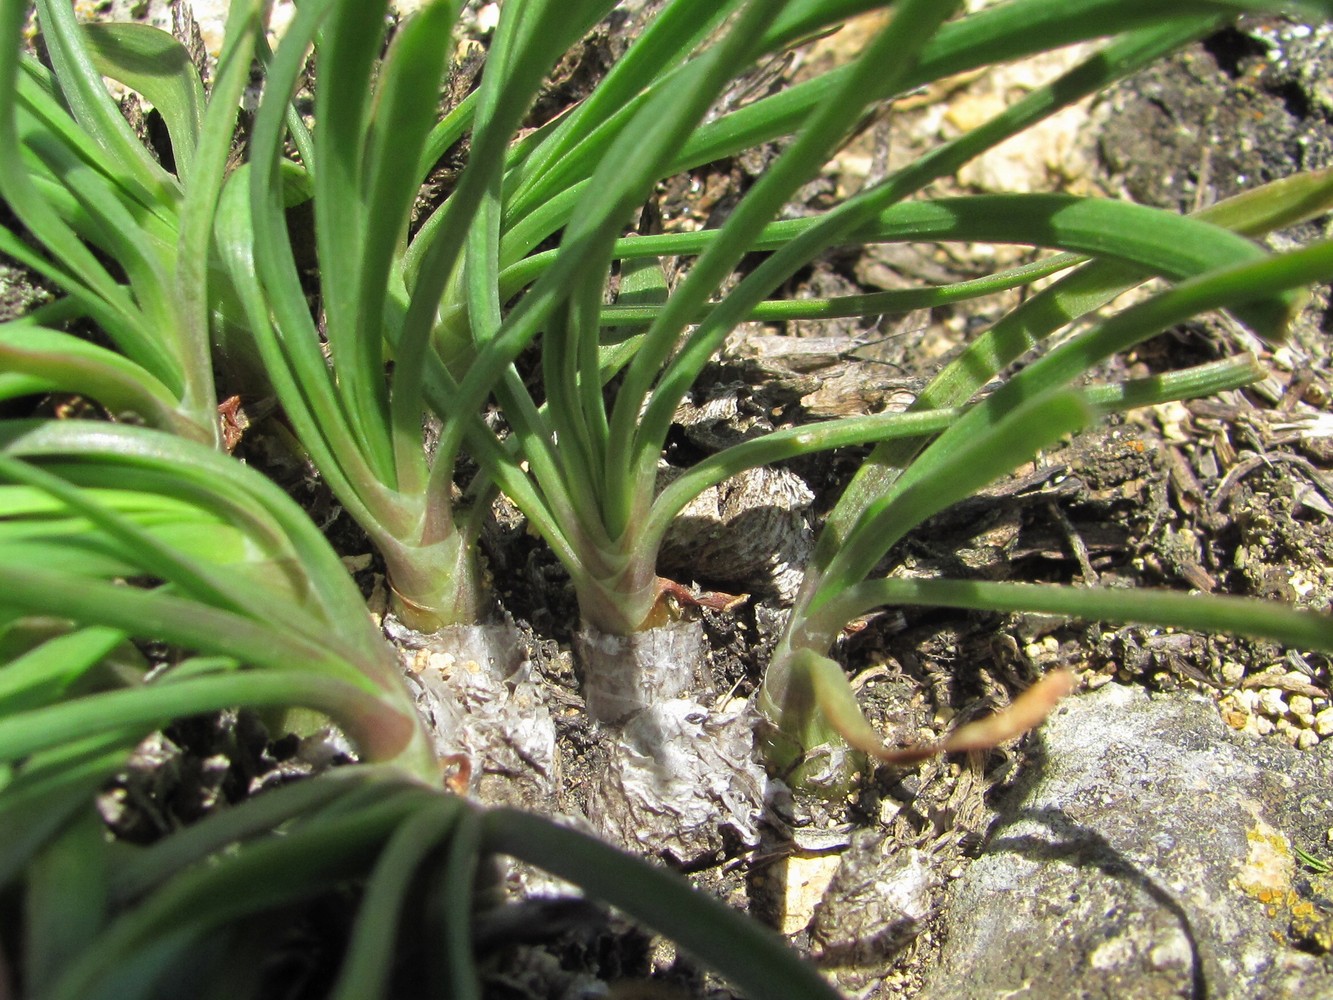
(1232, 672)
(1271, 702)
(1305, 740)
(1323, 722)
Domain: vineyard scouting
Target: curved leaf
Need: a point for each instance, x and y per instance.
(748, 954)
(150, 61)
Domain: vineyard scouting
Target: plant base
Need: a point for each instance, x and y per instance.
(484, 709)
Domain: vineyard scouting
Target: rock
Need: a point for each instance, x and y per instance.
(877, 902)
(1149, 855)
(805, 879)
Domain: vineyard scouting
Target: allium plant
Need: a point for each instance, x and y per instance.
(149, 577)
(111, 536)
(125, 240)
(582, 457)
(582, 462)
(805, 695)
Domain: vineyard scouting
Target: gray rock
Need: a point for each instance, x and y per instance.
(1149, 855)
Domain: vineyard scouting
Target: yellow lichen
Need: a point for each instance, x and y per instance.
(1267, 870)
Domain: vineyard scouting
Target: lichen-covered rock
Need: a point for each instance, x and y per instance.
(1149, 855)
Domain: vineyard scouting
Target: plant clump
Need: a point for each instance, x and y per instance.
(526, 330)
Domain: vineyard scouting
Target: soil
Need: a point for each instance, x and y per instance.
(1231, 494)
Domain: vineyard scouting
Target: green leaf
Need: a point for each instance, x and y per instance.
(380, 731)
(37, 360)
(49, 789)
(82, 88)
(746, 953)
(94, 454)
(340, 791)
(1260, 619)
(397, 133)
(66, 901)
(47, 672)
(993, 448)
(150, 61)
(1051, 309)
(304, 864)
(367, 970)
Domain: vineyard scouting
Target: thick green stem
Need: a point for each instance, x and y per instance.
(799, 742)
(433, 585)
(618, 599)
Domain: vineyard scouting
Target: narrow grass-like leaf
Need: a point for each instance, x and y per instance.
(995, 446)
(80, 271)
(573, 150)
(349, 789)
(1215, 289)
(450, 912)
(397, 133)
(893, 301)
(49, 789)
(635, 431)
(158, 558)
(109, 455)
(381, 732)
(788, 443)
(1013, 30)
(92, 106)
(58, 923)
(46, 672)
(367, 970)
(1185, 383)
(1158, 241)
(1260, 619)
(749, 955)
(997, 34)
(300, 866)
(195, 285)
(1252, 213)
(150, 61)
(37, 360)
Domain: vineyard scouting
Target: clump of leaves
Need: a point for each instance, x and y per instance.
(904, 482)
(126, 241)
(115, 536)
